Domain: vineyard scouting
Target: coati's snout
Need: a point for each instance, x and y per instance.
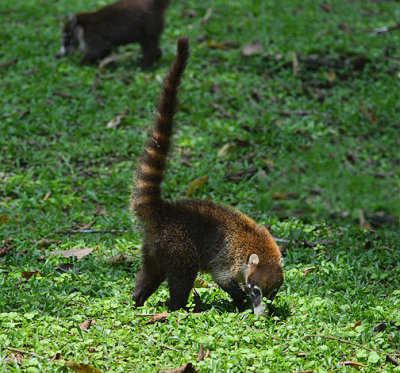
(262, 280)
(71, 36)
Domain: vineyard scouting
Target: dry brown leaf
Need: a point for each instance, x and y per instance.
(309, 270)
(110, 59)
(369, 115)
(346, 27)
(187, 368)
(364, 224)
(114, 123)
(225, 150)
(3, 219)
(201, 353)
(301, 354)
(86, 325)
(6, 246)
(213, 44)
(120, 258)
(285, 195)
(352, 363)
(81, 367)
(16, 357)
(356, 324)
(326, 7)
(92, 350)
(330, 76)
(57, 356)
(200, 283)
(252, 48)
(29, 274)
(78, 253)
(45, 243)
(67, 267)
(161, 317)
(195, 184)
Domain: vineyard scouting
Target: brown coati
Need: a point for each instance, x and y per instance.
(120, 23)
(186, 236)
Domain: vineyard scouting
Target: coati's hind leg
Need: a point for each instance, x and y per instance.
(148, 280)
(180, 284)
(151, 53)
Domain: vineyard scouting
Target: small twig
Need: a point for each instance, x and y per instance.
(304, 243)
(9, 63)
(96, 82)
(348, 342)
(302, 112)
(23, 352)
(162, 344)
(223, 112)
(206, 16)
(78, 231)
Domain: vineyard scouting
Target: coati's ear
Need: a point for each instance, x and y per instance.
(254, 260)
(72, 20)
(252, 264)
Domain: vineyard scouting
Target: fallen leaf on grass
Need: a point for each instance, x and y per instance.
(345, 27)
(252, 48)
(120, 258)
(242, 175)
(29, 274)
(110, 59)
(195, 184)
(364, 224)
(9, 63)
(356, 324)
(309, 270)
(200, 283)
(16, 357)
(352, 363)
(67, 267)
(206, 16)
(330, 76)
(83, 227)
(6, 246)
(369, 115)
(78, 253)
(86, 325)
(57, 356)
(203, 355)
(63, 94)
(285, 196)
(45, 243)
(92, 350)
(47, 196)
(215, 45)
(114, 123)
(225, 150)
(81, 367)
(187, 368)
(3, 219)
(301, 354)
(161, 317)
(326, 7)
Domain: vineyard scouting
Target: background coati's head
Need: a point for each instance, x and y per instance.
(263, 280)
(72, 36)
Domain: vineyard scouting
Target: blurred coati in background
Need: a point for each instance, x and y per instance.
(186, 236)
(120, 23)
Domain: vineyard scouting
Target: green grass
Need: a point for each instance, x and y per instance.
(306, 176)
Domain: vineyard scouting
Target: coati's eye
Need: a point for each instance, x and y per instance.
(255, 291)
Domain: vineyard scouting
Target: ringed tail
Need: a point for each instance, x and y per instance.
(146, 189)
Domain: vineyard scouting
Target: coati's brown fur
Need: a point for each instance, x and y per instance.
(119, 23)
(186, 236)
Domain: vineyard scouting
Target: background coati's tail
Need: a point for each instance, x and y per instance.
(146, 189)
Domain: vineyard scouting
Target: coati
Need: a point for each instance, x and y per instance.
(186, 236)
(119, 23)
